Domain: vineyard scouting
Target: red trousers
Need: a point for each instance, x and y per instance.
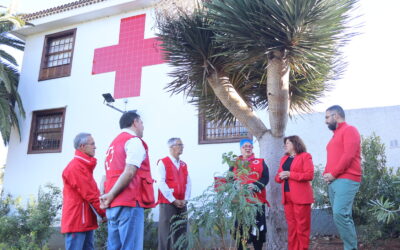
(298, 218)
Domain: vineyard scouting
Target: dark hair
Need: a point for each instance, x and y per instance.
(297, 142)
(339, 110)
(127, 119)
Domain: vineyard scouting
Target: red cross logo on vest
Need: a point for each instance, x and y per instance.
(128, 57)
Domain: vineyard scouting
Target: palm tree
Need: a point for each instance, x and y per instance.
(233, 57)
(9, 76)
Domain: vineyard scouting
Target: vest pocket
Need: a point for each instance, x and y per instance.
(147, 191)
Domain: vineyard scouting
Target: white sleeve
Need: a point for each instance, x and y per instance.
(188, 188)
(162, 185)
(135, 152)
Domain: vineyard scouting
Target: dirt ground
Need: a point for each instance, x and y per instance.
(333, 243)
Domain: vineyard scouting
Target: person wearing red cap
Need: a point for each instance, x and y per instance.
(259, 177)
(295, 173)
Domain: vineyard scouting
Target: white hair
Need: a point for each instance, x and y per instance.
(81, 139)
(171, 142)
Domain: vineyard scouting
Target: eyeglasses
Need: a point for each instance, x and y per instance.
(179, 145)
(248, 146)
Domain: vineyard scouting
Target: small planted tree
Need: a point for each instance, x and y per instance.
(224, 214)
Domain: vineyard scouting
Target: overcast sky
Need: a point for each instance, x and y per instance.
(371, 77)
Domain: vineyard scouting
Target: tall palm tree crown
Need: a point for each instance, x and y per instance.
(9, 76)
(238, 37)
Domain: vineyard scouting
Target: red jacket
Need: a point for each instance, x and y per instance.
(140, 189)
(80, 191)
(175, 179)
(256, 170)
(301, 175)
(344, 153)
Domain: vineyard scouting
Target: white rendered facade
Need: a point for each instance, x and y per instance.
(164, 116)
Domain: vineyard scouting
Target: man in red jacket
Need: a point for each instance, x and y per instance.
(343, 173)
(173, 193)
(80, 196)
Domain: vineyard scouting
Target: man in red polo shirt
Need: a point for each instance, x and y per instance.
(343, 173)
(173, 193)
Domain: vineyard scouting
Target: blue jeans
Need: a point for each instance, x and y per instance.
(125, 228)
(79, 240)
(341, 196)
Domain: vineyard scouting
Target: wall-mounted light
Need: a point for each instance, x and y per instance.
(108, 100)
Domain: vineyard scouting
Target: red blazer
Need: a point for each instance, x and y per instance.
(301, 175)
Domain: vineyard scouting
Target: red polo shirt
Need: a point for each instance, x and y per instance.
(344, 153)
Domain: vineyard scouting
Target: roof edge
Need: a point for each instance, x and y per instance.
(59, 9)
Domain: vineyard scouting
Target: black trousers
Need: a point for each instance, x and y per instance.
(167, 212)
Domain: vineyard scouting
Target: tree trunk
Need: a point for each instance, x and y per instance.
(231, 99)
(278, 92)
(271, 149)
(271, 146)
(270, 141)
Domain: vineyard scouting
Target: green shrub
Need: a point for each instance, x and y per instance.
(385, 210)
(150, 231)
(30, 226)
(378, 181)
(320, 189)
(100, 236)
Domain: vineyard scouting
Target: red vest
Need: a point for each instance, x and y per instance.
(256, 169)
(140, 189)
(175, 179)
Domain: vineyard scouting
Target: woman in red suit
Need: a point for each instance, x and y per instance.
(295, 173)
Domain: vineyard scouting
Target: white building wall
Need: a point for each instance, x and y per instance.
(383, 121)
(164, 116)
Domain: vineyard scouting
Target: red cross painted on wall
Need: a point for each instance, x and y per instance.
(128, 57)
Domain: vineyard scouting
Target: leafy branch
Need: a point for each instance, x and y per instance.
(226, 207)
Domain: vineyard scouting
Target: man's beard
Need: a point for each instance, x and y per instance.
(332, 126)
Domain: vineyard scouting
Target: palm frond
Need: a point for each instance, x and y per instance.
(188, 46)
(234, 38)
(7, 57)
(309, 33)
(10, 101)
(8, 40)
